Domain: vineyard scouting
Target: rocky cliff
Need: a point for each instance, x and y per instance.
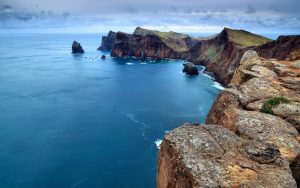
(284, 48)
(221, 54)
(251, 138)
(108, 41)
(152, 44)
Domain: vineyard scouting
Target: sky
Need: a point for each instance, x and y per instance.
(188, 16)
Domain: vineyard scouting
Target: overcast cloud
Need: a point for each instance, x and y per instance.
(179, 15)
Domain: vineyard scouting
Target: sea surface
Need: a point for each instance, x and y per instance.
(75, 121)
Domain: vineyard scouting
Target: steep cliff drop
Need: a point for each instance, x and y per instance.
(152, 44)
(108, 41)
(283, 48)
(251, 138)
(221, 54)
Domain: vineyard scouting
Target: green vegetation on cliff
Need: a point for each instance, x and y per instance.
(212, 54)
(269, 104)
(244, 38)
(174, 40)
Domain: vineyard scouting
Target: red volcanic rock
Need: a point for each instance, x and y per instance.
(153, 44)
(284, 48)
(222, 53)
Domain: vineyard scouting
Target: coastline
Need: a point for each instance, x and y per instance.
(260, 142)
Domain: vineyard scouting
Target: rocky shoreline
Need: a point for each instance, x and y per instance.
(220, 54)
(251, 134)
(240, 145)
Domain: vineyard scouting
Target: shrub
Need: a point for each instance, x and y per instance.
(269, 104)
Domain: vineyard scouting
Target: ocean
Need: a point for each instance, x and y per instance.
(76, 121)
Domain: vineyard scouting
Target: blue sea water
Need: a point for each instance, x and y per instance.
(75, 121)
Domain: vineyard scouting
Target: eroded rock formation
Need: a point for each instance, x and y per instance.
(152, 44)
(77, 48)
(284, 48)
(190, 69)
(252, 134)
(108, 41)
(212, 156)
(222, 53)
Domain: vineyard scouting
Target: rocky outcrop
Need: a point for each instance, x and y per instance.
(212, 156)
(77, 48)
(190, 69)
(251, 138)
(222, 54)
(108, 41)
(152, 44)
(284, 48)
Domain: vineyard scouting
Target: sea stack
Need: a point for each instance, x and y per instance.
(190, 69)
(77, 48)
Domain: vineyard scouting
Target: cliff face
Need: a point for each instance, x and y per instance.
(107, 41)
(211, 156)
(285, 47)
(222, 53)
(251, 138)
(153, 44)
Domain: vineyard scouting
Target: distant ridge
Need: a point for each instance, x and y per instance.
(220, 53)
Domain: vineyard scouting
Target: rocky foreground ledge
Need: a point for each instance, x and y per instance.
(251, 138)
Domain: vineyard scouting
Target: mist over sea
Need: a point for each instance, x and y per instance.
(77, 121)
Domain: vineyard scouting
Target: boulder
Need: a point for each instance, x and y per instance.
(190, 69)
(248, 55)
(77, 48)
(296, 64)
(103, 57)
(212, 156)
(268, 129)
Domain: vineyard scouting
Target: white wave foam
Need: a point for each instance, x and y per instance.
(132, 117)
(143, 127)
(79, 182)
(208, 76)
(218, 86)
(129, 63)
(158, 143)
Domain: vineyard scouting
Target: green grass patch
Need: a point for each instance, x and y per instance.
(269, 104)
(212, 54)
(174, 40)
(245, 39)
